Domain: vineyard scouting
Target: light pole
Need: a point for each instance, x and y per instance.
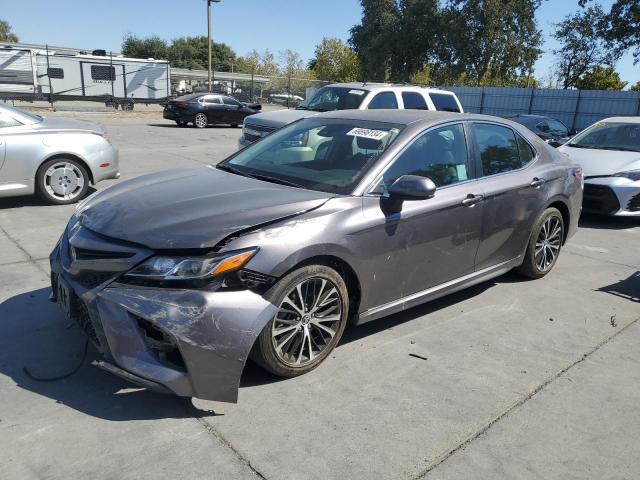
(209, 69)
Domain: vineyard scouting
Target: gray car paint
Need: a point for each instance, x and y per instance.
(397, 258)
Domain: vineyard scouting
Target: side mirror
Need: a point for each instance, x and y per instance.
(412, 187)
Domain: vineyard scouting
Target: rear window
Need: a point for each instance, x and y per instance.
(444, 102)
(414, 101)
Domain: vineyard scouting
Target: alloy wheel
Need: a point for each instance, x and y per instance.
(64, 181)
(200, 120)
(548, 243)
(308, 319)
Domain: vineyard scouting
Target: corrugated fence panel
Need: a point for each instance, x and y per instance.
(575, 108)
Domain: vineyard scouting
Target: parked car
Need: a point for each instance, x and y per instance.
(284, 98)
(208, 109)
(178, 276)
(57, 158)
(552, 131)
(609, 153)
(345, 96)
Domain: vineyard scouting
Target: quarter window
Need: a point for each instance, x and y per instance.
(444, 102)
(383, 100)
(439, 154)
(103, 72)
(414, 101)
(500, 150)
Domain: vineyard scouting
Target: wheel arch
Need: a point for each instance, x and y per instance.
(561, 204)
(72, 156)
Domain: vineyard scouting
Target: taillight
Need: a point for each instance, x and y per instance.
(179, 105)
(577, 172)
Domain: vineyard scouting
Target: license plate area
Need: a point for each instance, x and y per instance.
(65, 297)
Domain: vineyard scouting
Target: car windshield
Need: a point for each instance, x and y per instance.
(609, 136)
(329, 155)
(334, 98)
(21, 116)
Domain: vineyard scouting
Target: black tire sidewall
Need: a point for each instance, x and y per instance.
(42, 191)
(529, 267)
(264, 352)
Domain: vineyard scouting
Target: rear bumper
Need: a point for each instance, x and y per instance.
(191, 343)
(175, 116)
(612, 196)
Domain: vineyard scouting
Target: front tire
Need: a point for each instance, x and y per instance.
(544, 245)
(61, 181)
(200, 120)
(313, 306)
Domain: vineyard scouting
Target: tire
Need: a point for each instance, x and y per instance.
(323, 288)
(127, 106)
(200, 120)
(544, 245)
(54, 174)
(181, 123)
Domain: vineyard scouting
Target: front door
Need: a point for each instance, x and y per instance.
(214, 109)
(235, 115)
(100, 79)
(427, 242)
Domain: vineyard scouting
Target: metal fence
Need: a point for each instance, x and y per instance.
(576, 108)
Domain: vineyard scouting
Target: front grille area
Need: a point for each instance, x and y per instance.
(256, 132)
(86, 254)
(84, 320)
(91, 280)
(599, 199)
(634, 203)
(160, 343)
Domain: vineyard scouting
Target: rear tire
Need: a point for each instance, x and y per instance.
(200, 120)
(314, 306)
(544, 245)
(61, 181)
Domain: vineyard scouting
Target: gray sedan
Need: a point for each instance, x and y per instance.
(54, 157)
(179, 276)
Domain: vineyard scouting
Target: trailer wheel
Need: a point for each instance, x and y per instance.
(127, 106)
(111, 104)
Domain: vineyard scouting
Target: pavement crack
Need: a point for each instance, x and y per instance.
(601, 259)
(484, 429)
(210, 429)
(21, 248)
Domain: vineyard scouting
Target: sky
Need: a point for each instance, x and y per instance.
(242, 24)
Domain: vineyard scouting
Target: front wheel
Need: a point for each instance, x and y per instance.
(61, 181)
(544, 245)
(200, 120)
(313, 308)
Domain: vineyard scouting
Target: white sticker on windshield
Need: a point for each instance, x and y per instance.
(357, 92)
(367, 133)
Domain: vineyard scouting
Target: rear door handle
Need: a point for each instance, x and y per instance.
(537, 182)
(471, 200)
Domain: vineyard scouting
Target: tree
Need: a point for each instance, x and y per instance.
(335, 62)
(601, 78)
(582, 48)
(636, 87)
(150, 47)
(258, 63)
(6, 35)
(192, 52)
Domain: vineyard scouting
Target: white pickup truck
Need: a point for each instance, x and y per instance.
(351, 96)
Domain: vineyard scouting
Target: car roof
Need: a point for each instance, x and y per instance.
(371, 86)
(620, 120)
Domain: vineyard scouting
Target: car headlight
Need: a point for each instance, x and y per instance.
(172, 268)
(631, 175)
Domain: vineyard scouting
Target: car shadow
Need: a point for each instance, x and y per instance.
(171, 124)
(604, 222)
(628, 288)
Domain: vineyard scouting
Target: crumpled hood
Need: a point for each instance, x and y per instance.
(67, 124)
(190, 208)
(279, 118)
(602, 162)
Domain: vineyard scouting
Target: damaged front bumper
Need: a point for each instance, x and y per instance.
(193, 343)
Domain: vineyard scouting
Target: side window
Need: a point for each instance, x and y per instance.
(212, 99)
(7, 121)
(383, 100)
(414, 101)
(558, 128)
(439, 154)
(444, 102)
(55, 72)
(230, 101)
(103, 72)
(499, 149)
(543, 127)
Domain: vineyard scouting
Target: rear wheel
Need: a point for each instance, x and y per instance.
(313, 307)
(200, 120)
(127, 106)
(62, 181)
(544, 245)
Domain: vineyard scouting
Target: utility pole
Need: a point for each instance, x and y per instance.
(210, 69)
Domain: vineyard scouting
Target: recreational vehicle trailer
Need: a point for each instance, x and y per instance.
(37, 74)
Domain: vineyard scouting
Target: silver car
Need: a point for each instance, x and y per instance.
(56, 158)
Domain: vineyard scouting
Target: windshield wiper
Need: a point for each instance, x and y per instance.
(230, 169)
(302, 107)
(267, 178)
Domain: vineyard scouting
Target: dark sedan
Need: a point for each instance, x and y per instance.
(552, 131)
(346, 216)
(202, 109)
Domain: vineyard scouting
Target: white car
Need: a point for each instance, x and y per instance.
(609, 153)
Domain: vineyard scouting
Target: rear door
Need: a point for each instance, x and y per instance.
(514, 188)
(102, 79)
(383, 100)
(414, 101)
(214, 109)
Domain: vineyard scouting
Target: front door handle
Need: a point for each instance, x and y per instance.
(537, 182)
(471, 200)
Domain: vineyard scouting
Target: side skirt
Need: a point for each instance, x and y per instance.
(437, 291)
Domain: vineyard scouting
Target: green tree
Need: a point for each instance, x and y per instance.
(335, 62)
(601, 78)
(192, 52)
(636, 87)
(582, 48)
(150, 47)
(259, 63)
(6, 35)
